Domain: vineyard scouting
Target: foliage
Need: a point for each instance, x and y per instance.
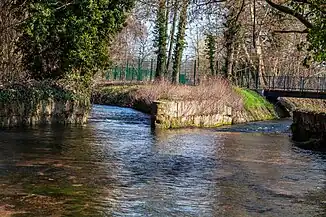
(317, 38)
(315, 14)
(61, 37)
(312, 14)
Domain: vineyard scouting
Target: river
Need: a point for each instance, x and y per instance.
(118, 166)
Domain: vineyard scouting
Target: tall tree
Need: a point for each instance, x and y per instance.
(161, 39)
(232, 28)
(180, 41)
(172, 32)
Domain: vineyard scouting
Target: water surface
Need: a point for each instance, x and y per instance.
(117, 166)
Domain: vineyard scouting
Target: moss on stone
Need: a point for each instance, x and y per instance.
(252, 100)
(256, 106)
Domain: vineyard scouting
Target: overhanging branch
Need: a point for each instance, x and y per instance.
(289, 11)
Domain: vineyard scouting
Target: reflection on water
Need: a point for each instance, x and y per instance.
(116, 166)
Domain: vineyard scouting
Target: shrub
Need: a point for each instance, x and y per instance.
(61, 37)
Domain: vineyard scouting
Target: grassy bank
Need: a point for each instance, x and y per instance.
(257, 107)
(252, 100)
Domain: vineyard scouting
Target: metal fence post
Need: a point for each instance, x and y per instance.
(140, 71)
(195, 71)
(301, 84)
(216, 72)
(284, 79)
(248, 76)
(127, 70)
(152, 65)
(269, 82)
(257, 80)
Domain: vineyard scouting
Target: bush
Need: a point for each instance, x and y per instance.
(62, 37)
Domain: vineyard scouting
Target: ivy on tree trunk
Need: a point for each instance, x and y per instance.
(180, 42)
(210, 50)
(161, 39)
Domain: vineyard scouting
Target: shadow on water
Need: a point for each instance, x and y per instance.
(117, 166)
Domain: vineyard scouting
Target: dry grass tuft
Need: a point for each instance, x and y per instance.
(216, 90)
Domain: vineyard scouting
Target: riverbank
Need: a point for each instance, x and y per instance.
(46, 102)
(211, 104)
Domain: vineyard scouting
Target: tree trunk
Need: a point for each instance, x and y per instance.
(229, 59)
(261, 65)
(258, 47)
(249, 59)
(161, 39)
(180, 42)
(171, 42)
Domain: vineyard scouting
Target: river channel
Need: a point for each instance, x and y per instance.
(118, 166)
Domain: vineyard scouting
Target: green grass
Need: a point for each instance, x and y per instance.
(252, 99)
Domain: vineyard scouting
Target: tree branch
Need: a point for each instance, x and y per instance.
(292, 31)
(289, 11)
(209, 2)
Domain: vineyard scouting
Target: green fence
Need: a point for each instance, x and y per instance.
(130, 73)
(137, 70)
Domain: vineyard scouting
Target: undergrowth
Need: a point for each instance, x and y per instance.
(33, 91)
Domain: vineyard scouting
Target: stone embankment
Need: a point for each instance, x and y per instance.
(178, 113)
(309, 129)
(309, 121)
(41, 103)
(48, 111)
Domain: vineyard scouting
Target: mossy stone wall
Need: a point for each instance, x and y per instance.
(49, 111)
(309, 126)
(176, 114)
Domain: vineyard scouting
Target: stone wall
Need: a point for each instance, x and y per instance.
(309, 127)
(50, 111)
(175, 114)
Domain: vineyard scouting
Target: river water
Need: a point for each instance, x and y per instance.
(118, 166)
